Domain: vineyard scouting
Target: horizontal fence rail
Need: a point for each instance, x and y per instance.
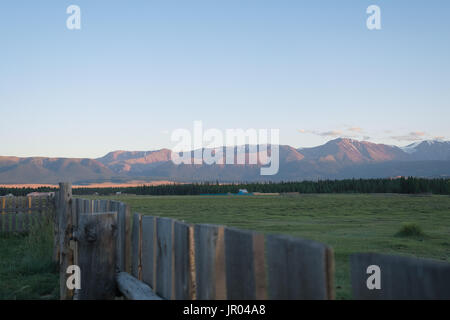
(19, 214)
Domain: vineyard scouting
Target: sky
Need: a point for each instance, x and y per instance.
(138, 70)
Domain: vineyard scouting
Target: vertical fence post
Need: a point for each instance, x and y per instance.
(1, 221)
(136, 246)
(128, 230)
(64, 234)
(121, 258)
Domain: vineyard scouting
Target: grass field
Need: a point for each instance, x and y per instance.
(349, 223)
(26, 267)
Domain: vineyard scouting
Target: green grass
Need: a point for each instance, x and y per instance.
(26, 268)
(348, 223)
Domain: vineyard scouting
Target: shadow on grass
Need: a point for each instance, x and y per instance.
(411, 230)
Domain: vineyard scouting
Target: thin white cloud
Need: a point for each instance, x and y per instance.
(350, 132)
(331, 133)
(412, 136)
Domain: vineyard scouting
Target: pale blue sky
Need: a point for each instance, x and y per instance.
(137, 70)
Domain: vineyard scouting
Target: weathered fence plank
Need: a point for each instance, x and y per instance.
(128, 229)
(30, 202)
(19, 222)
(101, 205)
(96, 254)
(192, 264)
(13, 222)
(297, 269)
(80, 206)
(13, 204)
(8, 204)
(240, 267)
(40, 204)
(6, 221)
(259, 254)
(330, 273)
(149, 250)
(209, 262)
(26, 221)
(136, 246)
(65, 220)
(401, 278)
(182, 278)
(76, 211)
(164, 253)
(86, 206)
(121, 234)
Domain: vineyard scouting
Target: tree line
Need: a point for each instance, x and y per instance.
(409, 185)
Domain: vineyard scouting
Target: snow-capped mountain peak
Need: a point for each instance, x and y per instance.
(429, 150)
(411, 148)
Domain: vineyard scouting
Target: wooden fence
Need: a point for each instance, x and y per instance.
(19, 214)
(171, 259)
(146, 257)
(183, 261)
(401, 278)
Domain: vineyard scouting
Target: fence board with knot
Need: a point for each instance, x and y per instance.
(20, 214)
(93, 235)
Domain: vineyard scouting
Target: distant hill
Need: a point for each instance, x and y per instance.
(349, 151)
(336, 159)
(51, 170)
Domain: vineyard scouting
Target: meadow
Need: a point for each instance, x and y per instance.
(415, 225)
(27, 271)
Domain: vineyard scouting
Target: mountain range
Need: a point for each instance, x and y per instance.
(337, 159)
